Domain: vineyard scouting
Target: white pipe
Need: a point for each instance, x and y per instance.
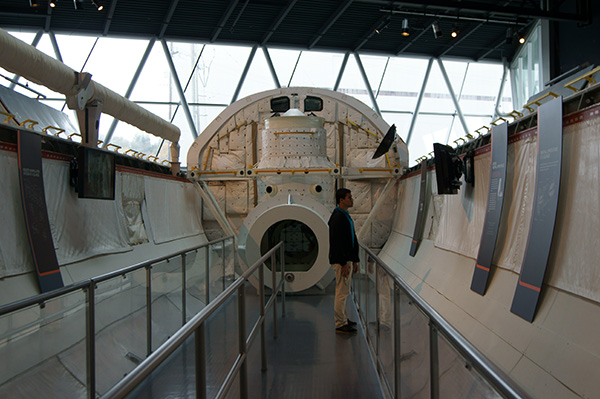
(20, 58)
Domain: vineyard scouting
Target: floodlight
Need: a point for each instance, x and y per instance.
(521, 38)
(33, 3)
(405, 31)
(437, 32)
(454, 31)
(53, 3)
(99, 7)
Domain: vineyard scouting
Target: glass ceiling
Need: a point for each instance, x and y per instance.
(211, 76)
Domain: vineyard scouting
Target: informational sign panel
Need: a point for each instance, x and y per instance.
(493, 212)
(545, 205)
(35, 211)
(420, 222)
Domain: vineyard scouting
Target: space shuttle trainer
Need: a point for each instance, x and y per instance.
(271, 162)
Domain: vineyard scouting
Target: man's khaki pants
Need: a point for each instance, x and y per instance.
(342, 290)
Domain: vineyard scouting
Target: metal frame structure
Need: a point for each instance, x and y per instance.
(194, 130)
(474, 360)
(89, 286)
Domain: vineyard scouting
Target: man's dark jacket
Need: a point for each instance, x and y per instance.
(341, 249)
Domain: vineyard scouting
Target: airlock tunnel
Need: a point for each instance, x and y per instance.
(268, 168)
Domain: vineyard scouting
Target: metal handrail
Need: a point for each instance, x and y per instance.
(196, 325)
(493, 374)
(41, 298)
(89, 286)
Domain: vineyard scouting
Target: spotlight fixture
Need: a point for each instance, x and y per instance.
(521, 38)
(52, 3)
(99, 7)
(405, 31)
(454, 31)
(437, 32)
(509, 35)
(382, 27)
(33, 3)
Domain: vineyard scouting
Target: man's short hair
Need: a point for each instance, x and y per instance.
(340, 194)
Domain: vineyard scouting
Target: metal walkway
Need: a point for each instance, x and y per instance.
(307, 360)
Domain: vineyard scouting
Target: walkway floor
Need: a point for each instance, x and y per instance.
(307, 360)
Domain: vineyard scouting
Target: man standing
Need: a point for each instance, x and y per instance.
(343, 250)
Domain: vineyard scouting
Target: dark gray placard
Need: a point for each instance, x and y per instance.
(493, 212)
(31, 179)
(543, 215)
(418, 233)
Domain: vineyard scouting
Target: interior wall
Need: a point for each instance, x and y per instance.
(557, 355)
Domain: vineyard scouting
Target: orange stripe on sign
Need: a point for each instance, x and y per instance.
(50, 272)
(531, 287)
(415, 241)
(487, 269)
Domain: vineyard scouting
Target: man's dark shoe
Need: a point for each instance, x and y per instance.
(351, 323)
(346, 329)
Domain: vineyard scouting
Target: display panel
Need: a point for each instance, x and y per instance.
(96, 174)
(448, 169)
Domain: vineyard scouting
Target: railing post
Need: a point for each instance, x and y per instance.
(223, 260)
(274, 290)
(434, 361)
(397, 349)
(242, 340)
(148, 310)
(261, 288)
(377, 309)
(183, 289)
(207, 275)
(281, 259)
(90, 341)
(200, 359)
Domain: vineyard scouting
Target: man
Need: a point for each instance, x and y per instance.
(343, 251)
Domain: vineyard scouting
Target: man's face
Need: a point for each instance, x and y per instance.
(348, 201)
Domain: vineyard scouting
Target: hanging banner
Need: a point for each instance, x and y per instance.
(35, 211)
(543, 216)
(417, 235)
(493, 212)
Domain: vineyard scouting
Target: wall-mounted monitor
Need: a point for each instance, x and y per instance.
(96, 174)
(448, 169)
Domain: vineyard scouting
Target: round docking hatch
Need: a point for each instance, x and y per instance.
(301, 223)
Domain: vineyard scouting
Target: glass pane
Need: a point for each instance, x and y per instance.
(75, 50)
(218, 73)
(194, 269)
(43, 349)
(386, 326)
(166, 300)
(353, 84)
(120, 327)
(284, 62)
(316, 69)
(437, 97)
(114, 62)
(374, 68)
(414, 351)
(457, 378)
(402, 122)
(401, 84)
(259, 76)
(429, 129)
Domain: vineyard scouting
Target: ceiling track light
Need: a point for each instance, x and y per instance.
(382, 27)
(98, 6)
(33, 3)
(521, 38)
(455, 31)
(405, 31)
(437, 32)
(52, 3)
